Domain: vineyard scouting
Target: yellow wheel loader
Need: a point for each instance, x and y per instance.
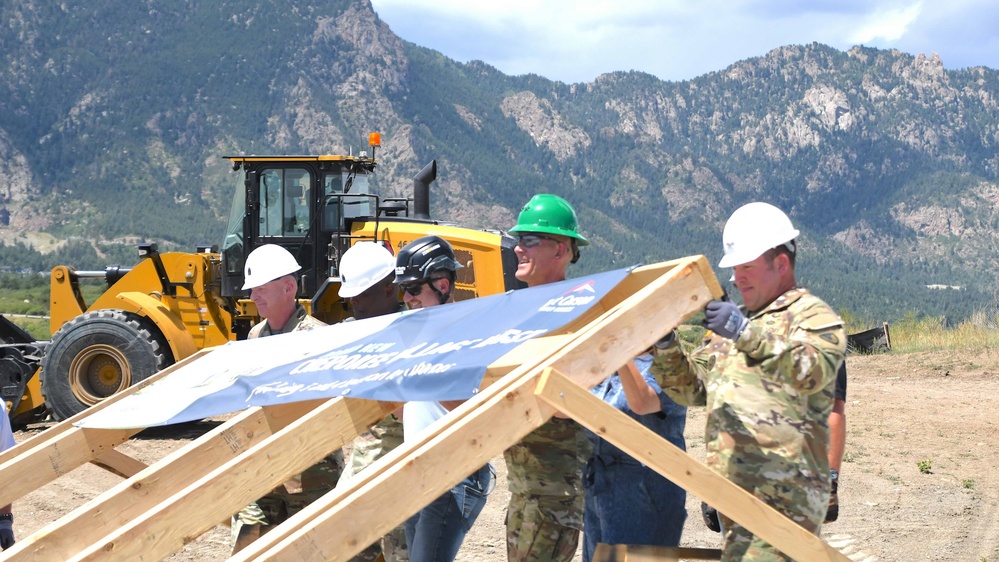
(170, 305)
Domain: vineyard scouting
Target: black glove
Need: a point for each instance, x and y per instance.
(666, 340)
(6, 533)
(725, 319)
(832, 513)
(710, 517)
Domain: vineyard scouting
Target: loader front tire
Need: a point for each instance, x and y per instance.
(98, 354)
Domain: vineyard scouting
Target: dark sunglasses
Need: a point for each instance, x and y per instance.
(532, 240)
(415, 288)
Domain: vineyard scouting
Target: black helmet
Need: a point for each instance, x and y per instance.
(422, 257)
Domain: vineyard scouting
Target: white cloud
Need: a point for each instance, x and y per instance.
(887, 25)
(577, 40)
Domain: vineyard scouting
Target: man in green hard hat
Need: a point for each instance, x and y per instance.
(548, 239)
(545, 469)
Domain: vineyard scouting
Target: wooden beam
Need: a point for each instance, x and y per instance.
(197, 505)
(525, 352)
(119, 464)
(650, 301)
(50, 434)
(342, 523)
(49, 460)
(667, 459)
(144, 490)
(636, 553)
(633, 325)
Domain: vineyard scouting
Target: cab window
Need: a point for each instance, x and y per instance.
(284, 202)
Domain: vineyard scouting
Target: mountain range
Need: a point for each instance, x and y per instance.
(114, 117)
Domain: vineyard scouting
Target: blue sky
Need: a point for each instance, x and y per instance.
(577, 40)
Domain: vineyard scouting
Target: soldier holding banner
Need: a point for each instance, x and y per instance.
(270, 278)
(425, 271)
(545, 469)
(766, 378)
(367, 281)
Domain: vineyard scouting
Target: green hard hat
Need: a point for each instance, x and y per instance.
(548, 214)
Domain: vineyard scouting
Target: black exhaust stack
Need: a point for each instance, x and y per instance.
(421, 190)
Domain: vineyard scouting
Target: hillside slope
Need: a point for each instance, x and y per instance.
(113, 119)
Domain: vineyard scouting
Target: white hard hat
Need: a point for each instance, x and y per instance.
(363, 265)
(267, 263)
(752, 230)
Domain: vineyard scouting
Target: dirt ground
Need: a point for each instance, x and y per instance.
(920, 480)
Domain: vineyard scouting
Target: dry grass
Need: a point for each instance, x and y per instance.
(912, 334)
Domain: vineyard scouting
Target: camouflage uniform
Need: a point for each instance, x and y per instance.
(383, 437)
(289, 498)
(545, 475)
(768, 398)
(373, 445)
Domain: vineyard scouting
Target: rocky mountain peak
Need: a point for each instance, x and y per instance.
(108, 111)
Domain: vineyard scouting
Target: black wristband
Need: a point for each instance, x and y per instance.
(7, 516)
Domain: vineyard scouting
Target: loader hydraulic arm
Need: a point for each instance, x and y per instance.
(169, 287)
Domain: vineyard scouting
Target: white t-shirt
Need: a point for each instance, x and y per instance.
(417, 416)
(6, 436)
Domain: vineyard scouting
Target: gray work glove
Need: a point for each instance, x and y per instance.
(6, 533)
(725, 319)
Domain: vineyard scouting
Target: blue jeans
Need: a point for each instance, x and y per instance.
(627, 503)
(435, 533)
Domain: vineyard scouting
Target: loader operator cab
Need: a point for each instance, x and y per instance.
(317, 207)
(299, 203)
(170, 305)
